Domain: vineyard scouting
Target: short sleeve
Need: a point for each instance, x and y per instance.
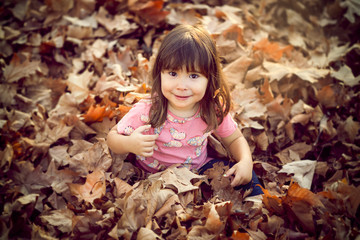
(136, 117)
(227, 127)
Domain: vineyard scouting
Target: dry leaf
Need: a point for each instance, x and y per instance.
(93, 188)
(18, 69)
(303, 172)
(78, 85)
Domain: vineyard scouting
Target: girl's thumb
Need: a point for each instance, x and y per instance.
(229, 172)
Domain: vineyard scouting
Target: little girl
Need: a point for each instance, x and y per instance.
(189, 101)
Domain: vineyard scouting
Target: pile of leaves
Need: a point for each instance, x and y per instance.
(71, 70)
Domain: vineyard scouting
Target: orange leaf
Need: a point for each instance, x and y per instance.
(151, 11)
(234, 32)
(267, 95)
(327, 97)
(297, 193)
(94, 113)
(271, 50)
(272, 203)
(107, 102)
(93, 188)
(123, 110)
(240, 236)
(97, 114)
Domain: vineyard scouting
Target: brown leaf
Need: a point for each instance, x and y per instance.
(326, 96)
(62, 219)
(178, 179)
(78, 85)
(235, 72)
(97, 157)
(301, 201)
(234, 32)
(59, 179)
(147, 234)
(116, 23)
(60, 6)
(299, 148)
(93, 188)
(122, 187)
(272, 203)
(18, 69)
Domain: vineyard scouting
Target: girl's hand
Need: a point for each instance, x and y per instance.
(142, 144)
(242, 172)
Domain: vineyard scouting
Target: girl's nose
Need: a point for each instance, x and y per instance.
(182, 83)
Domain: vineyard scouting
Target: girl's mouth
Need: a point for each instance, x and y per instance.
(182, 97)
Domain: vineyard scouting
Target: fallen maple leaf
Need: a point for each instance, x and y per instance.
(62, 219)
(303, 171)
(346, 75)
(78, 85)
(277, 71)
(293, 153)
(118, 23)
(98, 113)
(236, 33)
(17, 69)
(151, 11)
(271, 50)
(93, 188)
(178, 179)
(236, 235)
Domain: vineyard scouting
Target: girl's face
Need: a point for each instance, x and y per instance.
(183, 90)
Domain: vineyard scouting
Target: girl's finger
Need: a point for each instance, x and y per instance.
(235, 181)
(142, 128)
(150, 137)
(229, 172)
(148, 144)
(148, 153)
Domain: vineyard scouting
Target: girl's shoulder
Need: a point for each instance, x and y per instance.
(144, 103)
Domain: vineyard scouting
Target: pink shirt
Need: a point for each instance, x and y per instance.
(181, 140)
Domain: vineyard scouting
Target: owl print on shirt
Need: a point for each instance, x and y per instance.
(176, 138)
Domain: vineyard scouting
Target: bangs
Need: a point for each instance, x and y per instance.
(188, 52)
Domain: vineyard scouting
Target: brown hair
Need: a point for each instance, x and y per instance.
(191, 47)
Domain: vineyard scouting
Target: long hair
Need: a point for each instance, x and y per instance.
(191, 47)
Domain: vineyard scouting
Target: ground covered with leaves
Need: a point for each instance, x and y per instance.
(71, 70)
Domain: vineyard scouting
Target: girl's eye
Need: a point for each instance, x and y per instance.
(194, 76)
(173, 74)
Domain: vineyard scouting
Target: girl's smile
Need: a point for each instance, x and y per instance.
(183, 90)
(182, 97)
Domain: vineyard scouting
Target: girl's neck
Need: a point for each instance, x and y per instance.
(184, 114)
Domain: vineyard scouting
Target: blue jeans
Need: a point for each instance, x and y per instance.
(252, 184)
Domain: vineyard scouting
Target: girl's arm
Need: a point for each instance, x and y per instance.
(136, 143)
(240, 152)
